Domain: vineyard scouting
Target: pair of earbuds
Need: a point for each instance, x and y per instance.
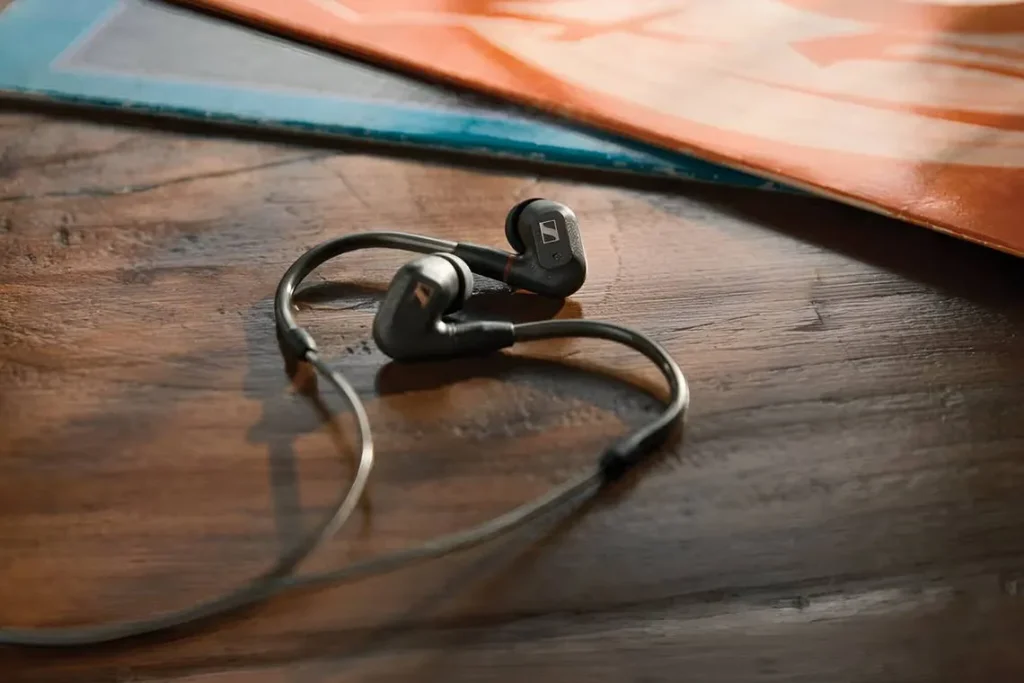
(411, 323)
(414, 323)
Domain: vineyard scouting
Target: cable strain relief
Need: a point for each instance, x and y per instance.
(624, 456)
(296, 344)
(614, 463)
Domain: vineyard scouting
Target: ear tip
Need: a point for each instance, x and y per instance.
(512, 224)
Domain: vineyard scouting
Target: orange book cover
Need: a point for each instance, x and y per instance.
(914, 108)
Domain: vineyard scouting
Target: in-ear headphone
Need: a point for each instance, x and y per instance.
(412, 324)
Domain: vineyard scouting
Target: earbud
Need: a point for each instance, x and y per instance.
(549, 257)
(410, 323)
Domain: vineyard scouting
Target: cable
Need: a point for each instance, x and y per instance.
(577, 489)
(617, 459)
(246, 594)
(635, 446)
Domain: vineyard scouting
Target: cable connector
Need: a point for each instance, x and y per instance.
(625, 455)
(296, 343)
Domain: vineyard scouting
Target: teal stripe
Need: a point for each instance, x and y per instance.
(34, 33)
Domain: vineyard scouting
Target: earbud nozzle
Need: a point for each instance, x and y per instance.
(465, 281)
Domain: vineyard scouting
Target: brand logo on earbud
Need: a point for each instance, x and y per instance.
(549, 232)
(423, 293)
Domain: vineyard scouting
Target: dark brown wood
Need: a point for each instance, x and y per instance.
(848, 505)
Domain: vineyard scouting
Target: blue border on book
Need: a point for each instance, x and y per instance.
(35, 33)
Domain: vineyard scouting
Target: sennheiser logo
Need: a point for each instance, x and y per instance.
(423, 293)
(549, 232)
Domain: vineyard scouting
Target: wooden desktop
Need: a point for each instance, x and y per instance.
(847, 503)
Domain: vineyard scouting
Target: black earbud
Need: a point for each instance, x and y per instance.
(549, 257)
(410, 323)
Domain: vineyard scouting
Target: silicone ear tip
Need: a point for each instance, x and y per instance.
(512, 225)
(465, 281)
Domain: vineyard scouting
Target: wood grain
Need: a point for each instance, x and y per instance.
(847, 505)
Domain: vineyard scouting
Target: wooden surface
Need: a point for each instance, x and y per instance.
(848, 505)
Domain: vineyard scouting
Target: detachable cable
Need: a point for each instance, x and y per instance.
(616, 460)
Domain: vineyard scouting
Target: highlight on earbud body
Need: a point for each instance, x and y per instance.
(549, 257)
(410, 323)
